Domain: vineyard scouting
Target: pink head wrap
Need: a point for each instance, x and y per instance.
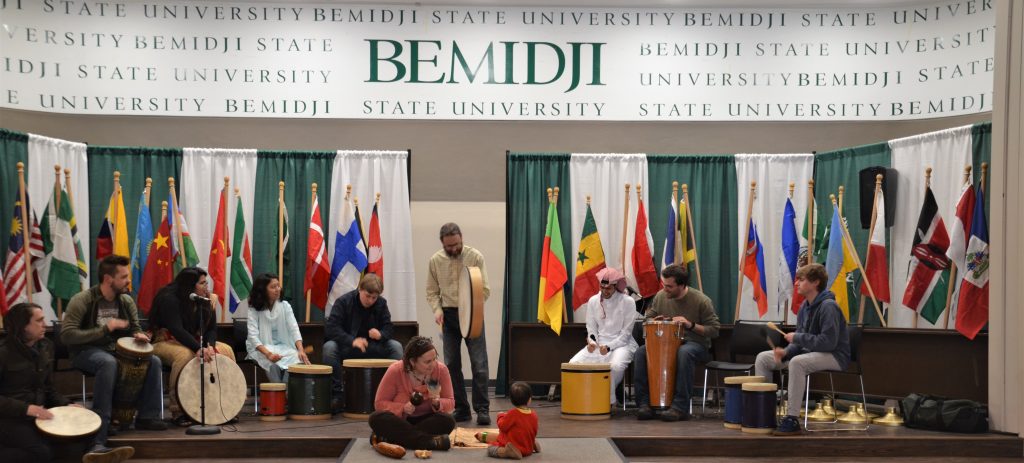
(612, 275)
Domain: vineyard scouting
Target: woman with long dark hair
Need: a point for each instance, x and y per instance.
(174, 319)
(274, 341)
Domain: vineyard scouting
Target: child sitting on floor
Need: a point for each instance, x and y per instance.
(517, 428)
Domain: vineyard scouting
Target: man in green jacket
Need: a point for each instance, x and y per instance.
(94, 320)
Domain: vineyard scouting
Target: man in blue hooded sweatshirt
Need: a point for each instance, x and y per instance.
(820, 342)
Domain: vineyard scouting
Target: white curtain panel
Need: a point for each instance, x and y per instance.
(603, 177)
(202, 178)
(946, 152)
(773, 174)
(43, 154)
(384, 172)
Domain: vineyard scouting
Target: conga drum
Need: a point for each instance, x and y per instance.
(758, 407)
(471, 302)
(309, 392)
(69, 423)
(662, 339)
(132, 366)
(734, 399)
(586, 389)
(362, 377)
(222, 382)
(273, 403)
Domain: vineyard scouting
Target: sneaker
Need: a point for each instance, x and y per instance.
(102, 454)
(789, 426)
(675, 415)
(483, 419)
(644, 413)
(510, 451)
(442, 442)
(151, 424)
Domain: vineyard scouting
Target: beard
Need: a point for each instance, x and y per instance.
(453, 253)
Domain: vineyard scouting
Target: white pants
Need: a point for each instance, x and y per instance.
(618, 358)
(799, 367)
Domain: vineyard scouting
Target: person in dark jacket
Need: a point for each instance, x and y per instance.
(359, 327)
(27, 392)
(821, 342)
(176, 329)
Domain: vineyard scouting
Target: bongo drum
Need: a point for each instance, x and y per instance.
(362, 377)
(663, 339)
(734, 399)
(70, 423)
(758, 407)
(309, 392)
(224, 385)
(471, 302)
(585, 391)
(132, 366)
(273, 403)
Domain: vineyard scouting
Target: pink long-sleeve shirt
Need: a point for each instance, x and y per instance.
(396, 388)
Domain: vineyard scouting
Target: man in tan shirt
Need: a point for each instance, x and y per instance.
(444, 271)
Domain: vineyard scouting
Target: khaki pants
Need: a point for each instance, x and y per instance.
(177, 356)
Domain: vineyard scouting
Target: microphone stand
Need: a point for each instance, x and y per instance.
(202, 429)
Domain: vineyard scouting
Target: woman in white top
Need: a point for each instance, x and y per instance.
(274, 341)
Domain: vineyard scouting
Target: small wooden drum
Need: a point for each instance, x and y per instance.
(758, 407)
(70, 423)
(471, 302)
(309, 392)
(586, 388)
(734, 399)
(132, 366)
(273, 403)
(225, 388)
(662, 339)
(362, 377)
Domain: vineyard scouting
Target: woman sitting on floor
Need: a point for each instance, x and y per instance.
(274, 341)
(414, 401)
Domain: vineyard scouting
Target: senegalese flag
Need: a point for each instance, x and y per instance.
(553, 275)
(589, 261)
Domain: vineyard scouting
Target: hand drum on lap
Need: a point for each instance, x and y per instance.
(362, 378)
(70, 423)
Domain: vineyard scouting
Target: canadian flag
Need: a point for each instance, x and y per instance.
(376, 252)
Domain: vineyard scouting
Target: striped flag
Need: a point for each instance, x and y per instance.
(839, 263)
(644, 273)
(15, 285)
(790, 255)
(972, 314)
(673, 250)
(876, 266)
(589, 261)
(113, 236)
(928, 256)
(753, 268)
(375, 249)
(63, 280)
(553, 274)
(241, 262)
(179, 227)
(143, 238)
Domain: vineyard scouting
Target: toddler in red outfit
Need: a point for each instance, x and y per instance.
(517, 428)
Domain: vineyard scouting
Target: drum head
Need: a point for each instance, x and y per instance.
(70, 422)
(368, 363)
(312, 369)
(130, 346)
(225, 394)
(471, 302)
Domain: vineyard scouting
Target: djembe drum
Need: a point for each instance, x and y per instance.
(663, 339)
(132, 367)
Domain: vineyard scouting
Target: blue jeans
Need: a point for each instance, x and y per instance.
(452, 335)
(335, 355)
(686, 359)
(103, 366)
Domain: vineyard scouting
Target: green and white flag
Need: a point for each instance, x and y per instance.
(64, 279)
(241, 262)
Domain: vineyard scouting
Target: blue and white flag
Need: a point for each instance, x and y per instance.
(672, 253)
(143, 237)
(349, 257)
(790, 254)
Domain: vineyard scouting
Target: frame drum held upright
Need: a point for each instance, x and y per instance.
(224, 385)
(471, 302)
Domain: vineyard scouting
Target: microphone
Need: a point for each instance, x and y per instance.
(197, 298)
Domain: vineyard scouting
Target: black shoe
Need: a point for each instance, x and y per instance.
(142, 424)
(442, 442)
(675, 415)
(483, 419)
(337, 405)
(461, 416)
(184, 421)
(789, 426)
(644, 413)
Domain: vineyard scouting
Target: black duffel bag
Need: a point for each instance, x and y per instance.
(941, 414)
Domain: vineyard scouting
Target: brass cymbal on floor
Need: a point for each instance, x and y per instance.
(891, 418)
(819, 414)
(827, 405)
(853, 416)
(864, 413)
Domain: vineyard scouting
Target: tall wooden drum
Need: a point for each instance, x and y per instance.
(309, 392)
(586, 391)
(734, 399)
(471, 302)
(362, 377)
(132, 367)
(663, 339)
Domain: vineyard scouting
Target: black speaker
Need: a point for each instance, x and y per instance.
(867, 194)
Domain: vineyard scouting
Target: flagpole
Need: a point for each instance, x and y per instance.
(927, 185)
(226, 196)
(842, 190)
(953, 268)
(984, 174)
(56, 210)
(25, 225)
(177, 220)
(309, 292)
(743, 251)
(280, 232)
(853, 253)
(163, 210)
(693, 236)
(625, 229)
(565, 312)
(871, 233)
(811, 228)
(117, 194)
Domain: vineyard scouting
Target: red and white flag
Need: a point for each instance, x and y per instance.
(961, 229)
(318, 270)
(972, 312)
(647, 281)
(876, 266)
(375, 251)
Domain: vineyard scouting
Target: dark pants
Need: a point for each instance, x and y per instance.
(103, 366)
(21, 442)
(686, 360)
(413, 432)
(453, 360)
(335, 355)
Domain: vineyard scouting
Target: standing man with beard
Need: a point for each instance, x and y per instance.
(444, 271)
(94, 320)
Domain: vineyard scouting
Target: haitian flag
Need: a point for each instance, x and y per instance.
(972, 314)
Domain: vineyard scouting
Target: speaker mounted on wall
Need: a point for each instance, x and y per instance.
(867, 194)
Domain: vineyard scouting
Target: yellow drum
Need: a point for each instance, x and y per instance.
(586, 388)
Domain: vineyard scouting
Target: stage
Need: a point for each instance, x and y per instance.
(622, 438)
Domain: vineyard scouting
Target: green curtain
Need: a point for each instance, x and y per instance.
(842, 167)
(981, 137)
(528, 177)
(135, 165)
(712, 185)
(299, 170)
(13, 149)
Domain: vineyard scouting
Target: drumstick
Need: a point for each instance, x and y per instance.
(776, 328)
(764, 333)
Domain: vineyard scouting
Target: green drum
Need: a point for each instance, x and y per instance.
(309, 392)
